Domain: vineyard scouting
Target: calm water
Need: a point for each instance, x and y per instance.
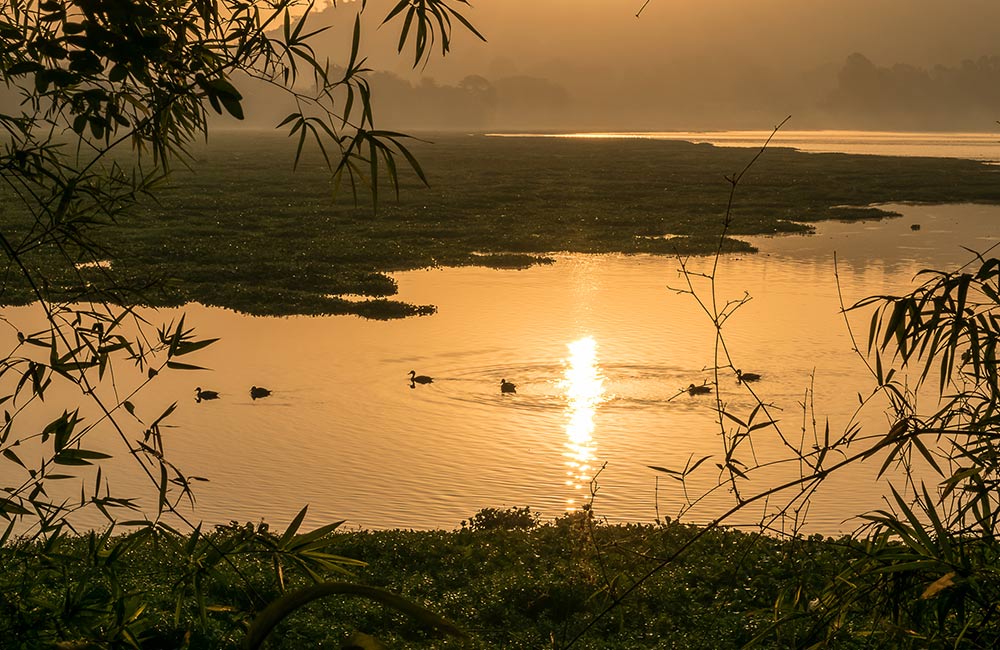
(973, 146)
(599, 347)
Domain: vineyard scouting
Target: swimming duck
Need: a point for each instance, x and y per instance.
(419, 379)
(746, 376)
(200, 394)
(699, 390)
(507, 387)
(256, 392)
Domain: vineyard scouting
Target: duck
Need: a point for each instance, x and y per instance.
(256, 392)
(200, 394)
(699, 390)
(420, 379)
(507, 387)
(746, 376)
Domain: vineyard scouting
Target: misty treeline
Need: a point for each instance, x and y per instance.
(905, 96)
(474, 103)
(860, 94)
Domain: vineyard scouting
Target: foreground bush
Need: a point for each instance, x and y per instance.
(520, 587)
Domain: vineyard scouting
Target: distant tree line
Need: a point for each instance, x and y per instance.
(857, 94)
(474, 103)
(905, 96)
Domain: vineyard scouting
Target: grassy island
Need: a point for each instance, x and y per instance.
(241, 229)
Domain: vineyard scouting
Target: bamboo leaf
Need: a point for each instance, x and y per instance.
(734, 419)
(293, 527)
(177, 365)
(688, 470)
(161, 501)
(10, 455)
(305, 539)
(290, 118)
(922, 540)
(665, 470)
(187, 347)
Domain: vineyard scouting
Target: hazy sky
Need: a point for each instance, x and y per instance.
(794, 33)
(686, 58)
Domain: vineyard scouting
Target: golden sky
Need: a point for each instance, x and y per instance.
(705, 54)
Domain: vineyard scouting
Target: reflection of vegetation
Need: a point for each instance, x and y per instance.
(243, 231)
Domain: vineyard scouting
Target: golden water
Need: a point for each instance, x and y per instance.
(600, 348)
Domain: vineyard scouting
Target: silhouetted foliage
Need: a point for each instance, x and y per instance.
(922, 571)
(110, 96)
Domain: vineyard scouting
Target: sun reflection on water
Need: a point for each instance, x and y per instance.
(584, 386)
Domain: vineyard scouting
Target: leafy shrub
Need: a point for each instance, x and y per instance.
(509, 519)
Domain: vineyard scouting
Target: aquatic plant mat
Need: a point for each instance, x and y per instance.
(241, 229)
(506, 588)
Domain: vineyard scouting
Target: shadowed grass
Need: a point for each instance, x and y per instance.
(507, 586)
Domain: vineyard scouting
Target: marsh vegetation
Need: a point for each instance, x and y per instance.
(504, 578)
(242, 229)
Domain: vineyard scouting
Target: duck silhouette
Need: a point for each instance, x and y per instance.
(257, 392)
(746, 376)
(200, 394)
(699, 390)
(507, 387)
(420, 379)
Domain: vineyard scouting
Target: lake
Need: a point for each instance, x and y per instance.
(600, 348)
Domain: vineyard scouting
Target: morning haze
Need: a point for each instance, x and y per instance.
(575, 65)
